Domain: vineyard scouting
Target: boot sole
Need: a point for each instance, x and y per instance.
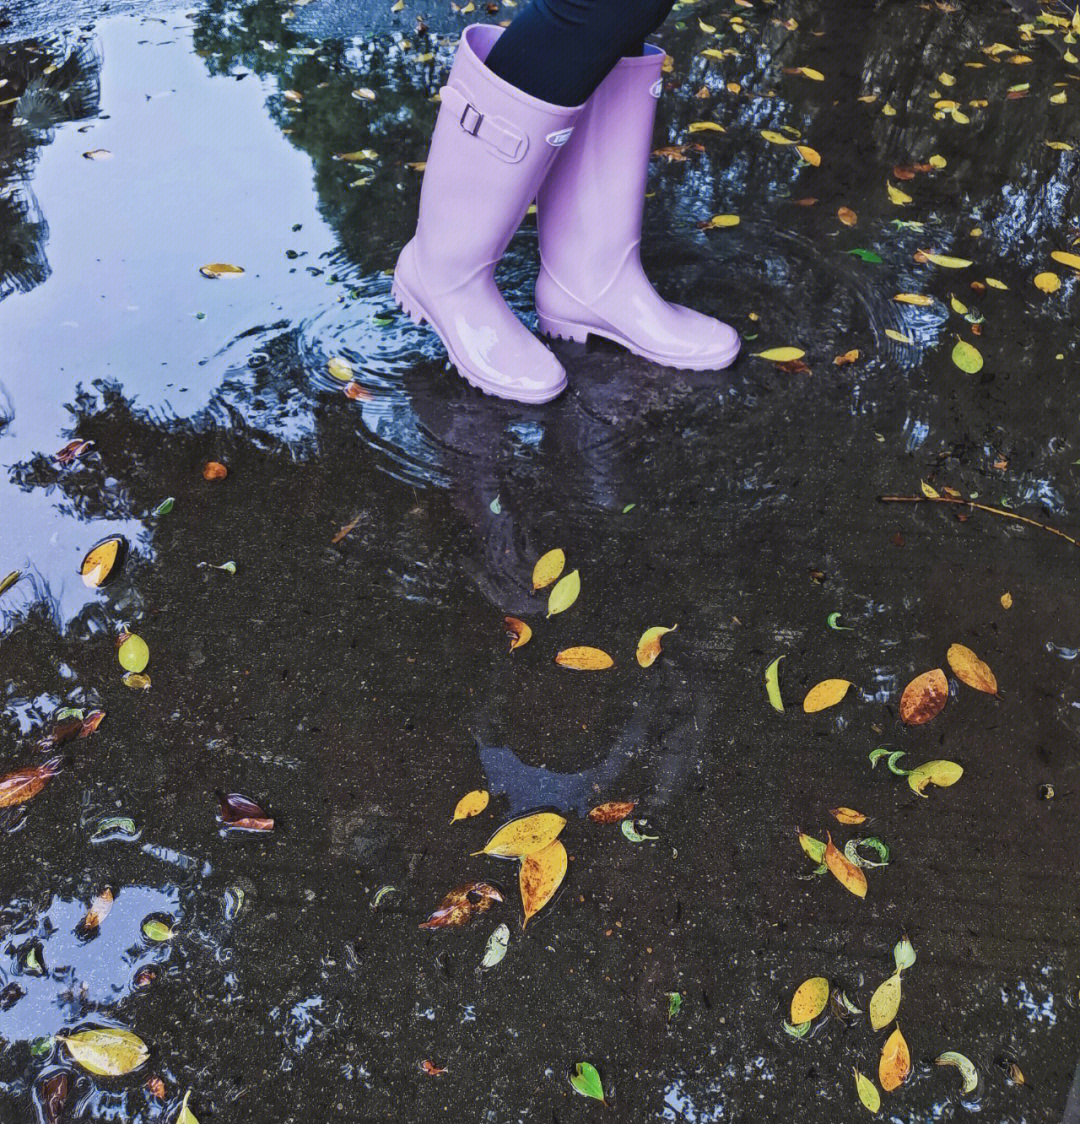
(555, 328)
(420, 316)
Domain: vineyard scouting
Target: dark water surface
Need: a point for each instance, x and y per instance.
(357, 689)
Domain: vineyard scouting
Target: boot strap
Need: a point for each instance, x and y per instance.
(509, 145)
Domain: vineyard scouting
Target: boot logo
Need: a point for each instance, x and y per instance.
(657, 88)
(559, 137)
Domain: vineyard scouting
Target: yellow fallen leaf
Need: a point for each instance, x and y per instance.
(810, 155)
(521, 837)
(895, 1063)
(713, 53)
(340, 369)
(867, 1091)
(186, 1116)
(957, 306)
(847, 815)
(887, 110)
(1071, 260)
(107, 1051)
(706, 127)
(825, 694)
(471, 804)
(943, 774)
(1058, 99)
(648, 648)
(900, 198)
(945, 261)
(775, 138)
(938, 162)
(564, 594)
(541, 874)
(929, 491)
(1059, 146)
(780, 354)
(220, 269)
(969, 669)
(885, 1002)
(519, 631)
(899, 337)
(721, 221)
(995, 284)
(548, 568)
(946, 79)
(708, 28)
(920, 299)
(843, 870)
(807, 72)
(1047, 282)
(100, 561)
(809, 1000)
(1006, 600)
(584, 659)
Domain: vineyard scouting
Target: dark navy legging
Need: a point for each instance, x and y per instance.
(561, 50)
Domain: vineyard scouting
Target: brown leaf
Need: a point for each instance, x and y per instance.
(613, 811)
(345, 530)
(99, 909)
(25, 784)
(237, 811)
(806, 201)
(924, 697)
(847, 357)
(357, 393)
(793, 367)
(519, 632)
(73, 450)
(847, 216)
(156, 1088)
(214, 470)
(461, 905)
(52, 1096)
(431, 1069)
(90, 723)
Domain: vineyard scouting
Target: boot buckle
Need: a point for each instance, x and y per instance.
(474, 121)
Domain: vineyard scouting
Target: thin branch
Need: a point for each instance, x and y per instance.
(981, 507)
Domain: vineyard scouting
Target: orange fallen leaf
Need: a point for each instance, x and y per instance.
(845, 872)
(924, 697)
(431, 1069)
(847, 815)
(345, 530)
(584, 659)
(847, 357)
(541, 874)
(847, 216)
(462, 904)
(612, 812)
(895, 1063)
(519, 631)
(214, 470)
(25, 784)
(969, 669)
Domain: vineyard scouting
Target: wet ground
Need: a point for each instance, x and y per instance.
(357, 685)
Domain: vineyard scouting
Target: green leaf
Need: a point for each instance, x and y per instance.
(940, 773)
(868, 1093)
(967, 1069)
(495, 506)
(877, 754)
(497, 945)
(164, 507)
(892, 763)
(123, 824)
(40, 1047)
(186, 1115)
(833, 623)
(865, 255)
(629, 507)
(967, 357)
(851, 852)
(674, 1004)
(904, 954)
(772, 685)
(565, 593)
(586, 1081)
(799, 1031)
(381, 893)
(629, 829)
(157, 931)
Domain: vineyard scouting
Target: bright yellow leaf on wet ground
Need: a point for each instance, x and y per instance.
(969, 669)
(900, 198)
(924, 697)
(780, 354)
(1047, 282)
(937, 162)
(967, 357)
(1006, 600)
(944, 261)
(106, 1051)
(548, 568)
(899, 337)
(340, 369)
(847, 815)
(775, 138)
(895, 1063)
(584, 659)
(706, 127)
(521, 837)
(564, 594)
(540, 876)
(220, 269)
(929, 491)
(885, 1002)
(518, 631)
(648, 647)
(867, 1091)
(825, 694)
(943, 774)
(843, 870)
(810, 155)
(718, 222)
(994, 283)
(1063, 258)
(920, 299)
(809, 1000)
(471, 804)
(100, 562)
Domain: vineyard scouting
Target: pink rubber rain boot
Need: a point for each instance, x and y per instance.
(491, 147)
(589, 212)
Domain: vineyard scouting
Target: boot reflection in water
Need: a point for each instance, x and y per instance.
(559, 108)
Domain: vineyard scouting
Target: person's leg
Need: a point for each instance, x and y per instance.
(561, 50)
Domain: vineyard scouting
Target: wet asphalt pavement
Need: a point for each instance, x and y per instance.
(356, 689)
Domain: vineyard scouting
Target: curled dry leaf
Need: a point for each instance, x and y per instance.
(541, 874)
(461, 905)
(885, 1002)
(584, 659)
(523, 836)
(969, 669)
(214, 470)
(772, 685)
(964, 1064)
(809, 1000)
(848, 357)
(895, 1063)
(496, 947)
(431, 1069)
(107, 1051)
(471, 804)
(238, 812)
(52, 1094)
(25, 784)
(868, 1094)
(648, 648)
(940, 773)
(924, 697)
(612, 812)
(548, 568)
(220, 269)
(844, 870)
(99, 909)
(825, 694)
(847, 815)
(518, 631)
(103, 561)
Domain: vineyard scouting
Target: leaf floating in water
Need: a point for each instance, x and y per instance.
(471, 804)
(772, 685)
(847, 815)
(238, 812)
(119, 825)
(967, 357)
(547, 569)
(496, 947)
(214, 470)
(97, 154)
(944, 261)
(100, 908)
(895, 1063)
(564, 594)
(940, 773)
(903, 954)
(631, 829)
(924, 697)
(9, 580)
(720, 222)
(340, 369)
(774, 137)
(186, 1115)
(809, 1000)
(648, 648)
(25, 784)
(540, 876)
(584, 659)
(52, 1094)
(103, 561)
(136, 681)
(844, 871)
(586, 1081)
(461, 905)
(612, 812)
(969, 669)
(827, 693)
(868, 1094)
(220, 269)
(133, 653)
(157, 931)
(519, 631)
(523, 836)
(885, 1002)
(780, 354)
(164, 507)
(919, 299)
(106, 1051)
(968, 1072)
(810, 155)
(73, 450)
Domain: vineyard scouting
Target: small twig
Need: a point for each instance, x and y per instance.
(981, 507)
